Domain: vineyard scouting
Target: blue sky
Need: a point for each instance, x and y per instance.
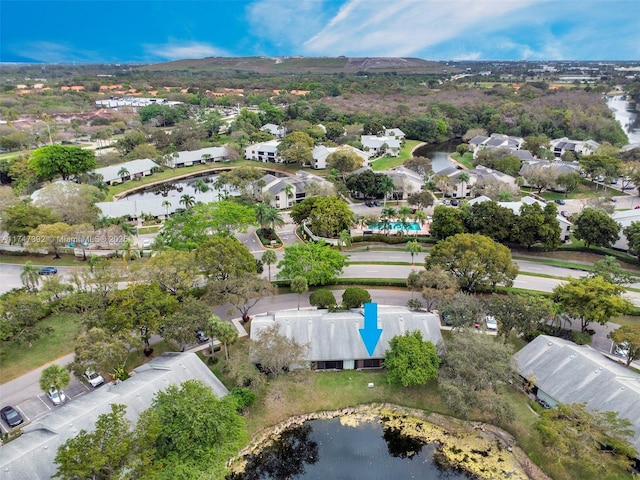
(95, 31)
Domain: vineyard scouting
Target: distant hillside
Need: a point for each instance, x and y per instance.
(277, 65)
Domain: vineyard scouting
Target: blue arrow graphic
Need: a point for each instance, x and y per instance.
(370, 333)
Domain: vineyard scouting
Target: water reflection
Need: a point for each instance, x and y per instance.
(400, 445)
(627, 115)
(327, 449)
(285, 458)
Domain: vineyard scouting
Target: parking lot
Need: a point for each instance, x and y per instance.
(35, 407)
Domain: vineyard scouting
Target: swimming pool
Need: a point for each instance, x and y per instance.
(413, 226)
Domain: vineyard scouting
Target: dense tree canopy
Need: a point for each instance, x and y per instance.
(585, 443)
(222, 258)
(410, 360)
(629, 335)
(187, 230)
(57, 160)
(475, 260)
(595, 227)
(315, 261)
(591, 299)
(446, 222)
(21, 218)
(472, 371)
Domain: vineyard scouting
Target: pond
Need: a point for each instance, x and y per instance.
(353, 447)
(174, 189)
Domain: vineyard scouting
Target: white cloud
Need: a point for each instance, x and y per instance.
(177, 51)
(51, 52)
(407, 27)
(286, 23)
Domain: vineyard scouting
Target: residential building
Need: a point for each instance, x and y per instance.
(320, 154)
(32, 454)
(405, 182)
(563, 372)
(395, 133)
(624, 219)
(134, 102)
(562, 145)
(263, 152)
(333, 338)
(194, 157)
(377, 146)
(126, 171)
(284, 192)
(275, 130)
(494, 141)
(478, 175)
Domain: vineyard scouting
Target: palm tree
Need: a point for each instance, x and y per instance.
(269, 257)
(421, 217)
(123, 173)
(413, 247)
(288, 191)
(30, 275)
(129, 252)
(386, 187)
(403, 213)
(344, 239)
(386, 215)
(299, 285)
(464, 178)
(54, 377)
(187, 200)
(167, 205)
(268, 217)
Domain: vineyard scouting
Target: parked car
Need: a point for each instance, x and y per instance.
(543, 404)
(491, 323)
(613, 199)
(565, 214)
(621, 350)
(446, 202)
(48, 271)
(93, 378)
(454, 203)
(376, 203)
(202, 338)
(11, 416)
(147, 242)
(56, 396)
(560, 201)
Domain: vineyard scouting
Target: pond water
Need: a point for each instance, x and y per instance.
(627, 114)
(329, 449)
(174, 189)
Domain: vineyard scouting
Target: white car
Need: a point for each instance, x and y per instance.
(56, 396)
(93, 378)
(491, 323)
(622, 350)
(147, 242)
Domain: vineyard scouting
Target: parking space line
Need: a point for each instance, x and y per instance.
(43, 402)
(24, 415)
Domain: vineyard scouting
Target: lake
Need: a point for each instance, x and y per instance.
(328, 449)
(628, 116)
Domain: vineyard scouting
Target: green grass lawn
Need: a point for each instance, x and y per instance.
(466, 159)
(386, 163)
(17, 360)
(171, 173)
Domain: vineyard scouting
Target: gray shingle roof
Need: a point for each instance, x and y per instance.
(31, 455)
(134, 167)
(571, 373)
(335, 336)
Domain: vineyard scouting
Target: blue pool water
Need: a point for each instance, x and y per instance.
(413, 226)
